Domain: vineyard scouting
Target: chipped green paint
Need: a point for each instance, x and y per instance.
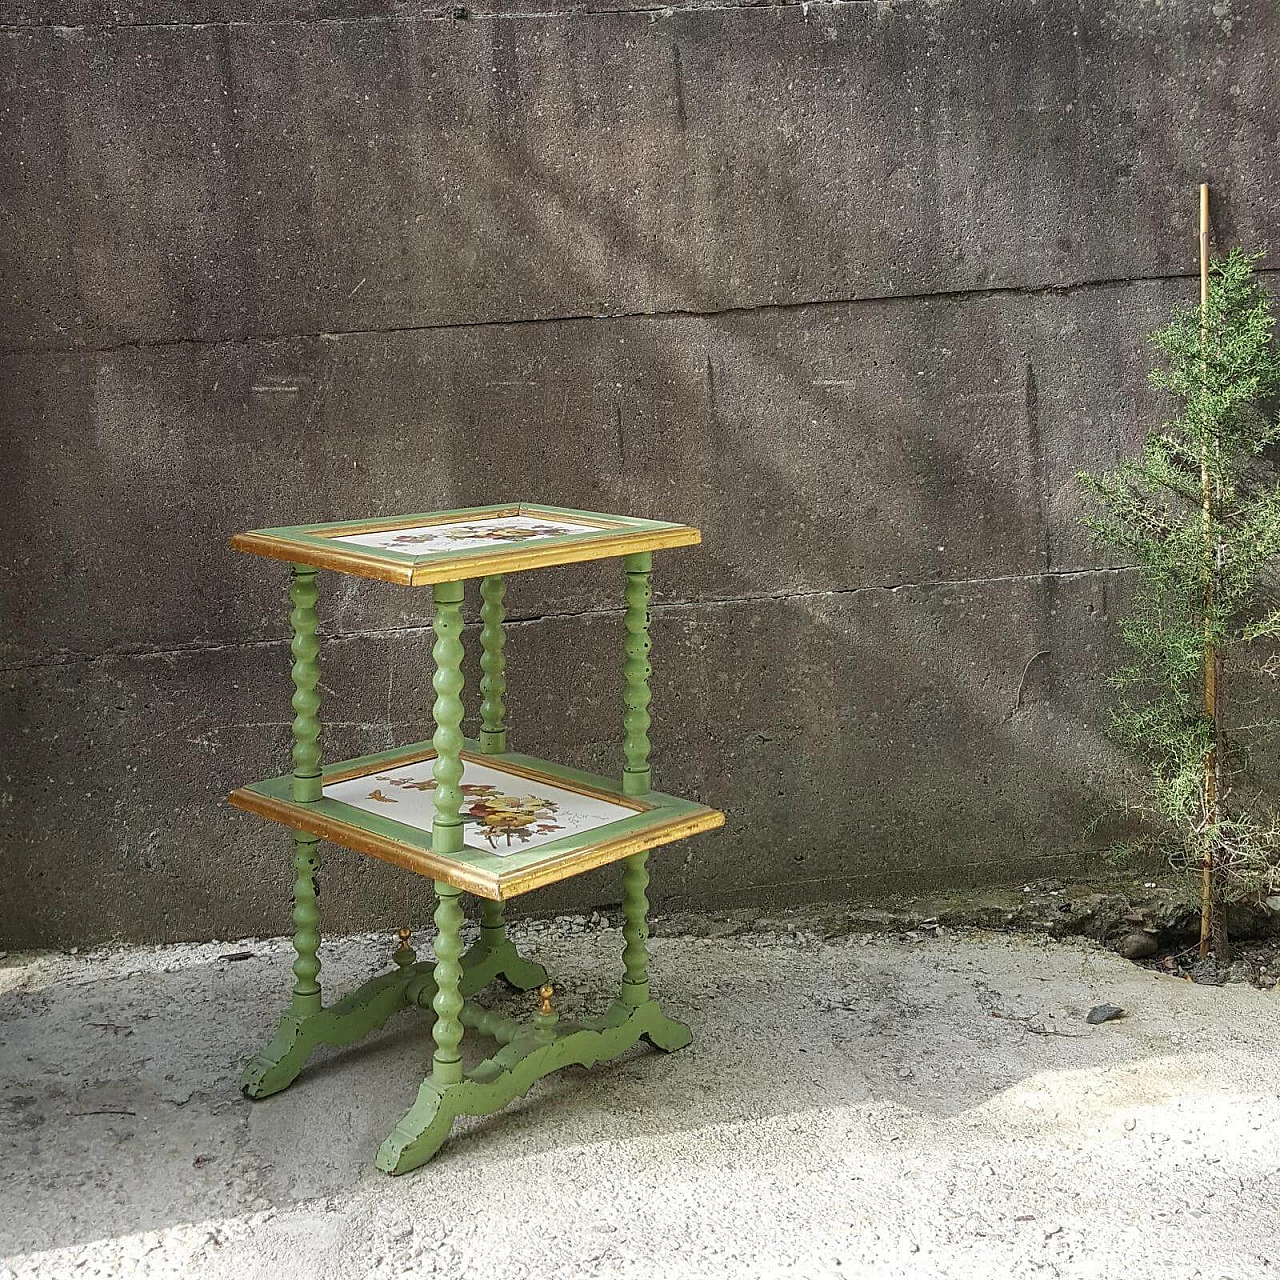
(514, 1070)
(635, 930)
(305, 647)
(446, 1063)
(306, 925)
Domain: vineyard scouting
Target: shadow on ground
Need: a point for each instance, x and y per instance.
(893, 1071)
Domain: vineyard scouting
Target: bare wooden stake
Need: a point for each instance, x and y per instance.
(1210, 656)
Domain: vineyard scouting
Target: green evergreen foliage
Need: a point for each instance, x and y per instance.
(1208, 582)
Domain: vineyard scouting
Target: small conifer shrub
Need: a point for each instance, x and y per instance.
(1197, 515)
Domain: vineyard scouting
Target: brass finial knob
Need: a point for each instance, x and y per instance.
(404, 955)
(545, 993)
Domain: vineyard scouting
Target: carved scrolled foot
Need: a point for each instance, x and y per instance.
(277, 1065)
(352, 1018)
(663, 1032)
(646, 1022)
(419, 1135)
(522, 974)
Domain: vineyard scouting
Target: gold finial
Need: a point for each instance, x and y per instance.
(404, 956)
(544, 994)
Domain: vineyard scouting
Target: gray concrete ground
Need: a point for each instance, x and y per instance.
(877, 1106)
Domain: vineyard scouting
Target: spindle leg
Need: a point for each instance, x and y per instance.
(446, 1062)
(402, 1146)
(280, 1062)
(494, 955)
(665, 1033)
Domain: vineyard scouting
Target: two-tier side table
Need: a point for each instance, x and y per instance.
(475, 816)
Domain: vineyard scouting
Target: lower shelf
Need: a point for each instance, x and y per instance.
(527, 822)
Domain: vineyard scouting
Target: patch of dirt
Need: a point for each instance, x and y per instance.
(1256, 962)
(1151, 921)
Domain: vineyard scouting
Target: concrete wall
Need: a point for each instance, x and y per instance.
(856, 288)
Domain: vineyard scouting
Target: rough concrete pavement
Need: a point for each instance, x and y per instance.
(879, 1106)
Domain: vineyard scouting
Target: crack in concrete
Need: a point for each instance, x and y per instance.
(687, 313)
(173, 652)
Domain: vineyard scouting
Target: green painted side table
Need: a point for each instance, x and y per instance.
(474, 816)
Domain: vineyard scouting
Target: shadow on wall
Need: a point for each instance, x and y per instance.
(935, 725)
(885, 663)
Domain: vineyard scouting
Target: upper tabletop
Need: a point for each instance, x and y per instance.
(447, 546)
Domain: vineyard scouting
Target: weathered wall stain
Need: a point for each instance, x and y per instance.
(857, 288)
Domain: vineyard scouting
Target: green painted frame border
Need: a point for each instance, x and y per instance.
(315, 544)
(659, 819)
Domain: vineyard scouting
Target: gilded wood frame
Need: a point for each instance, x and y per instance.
(659, 819)
(612, 536)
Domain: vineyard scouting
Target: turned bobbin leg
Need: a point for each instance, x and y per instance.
(635, 772)
(635, 672)
(494, 955)
(635, 931)
(493, 664)
(423, 1128)
(446, 828)
(446, 1062)
(666, 1033)
(447, 652)
(307, 784)
(282, 1059)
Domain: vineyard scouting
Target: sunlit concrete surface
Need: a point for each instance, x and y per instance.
(893, 1106)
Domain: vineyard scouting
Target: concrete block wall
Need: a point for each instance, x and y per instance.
(857, 288)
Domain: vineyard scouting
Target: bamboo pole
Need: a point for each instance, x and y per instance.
(1210, 656)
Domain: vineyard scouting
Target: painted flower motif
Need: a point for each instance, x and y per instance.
(509, 818)
(498, 816)
(473, 533)
(506, 535)
(408, 784)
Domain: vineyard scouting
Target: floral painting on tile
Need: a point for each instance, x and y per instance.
(502, 812)
(464, 535)
(475, 533)
(499, 817)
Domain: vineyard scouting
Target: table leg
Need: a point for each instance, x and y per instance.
(635, 930)
(307, 784)
(424, 1126)
(278, 1064)
(446, 1062)
(634, 1000)
(446, 825)
(636, 671)
(494, 955)
(662, 1031)
(493, 664)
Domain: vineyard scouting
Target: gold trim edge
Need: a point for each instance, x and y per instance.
(485, 884)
